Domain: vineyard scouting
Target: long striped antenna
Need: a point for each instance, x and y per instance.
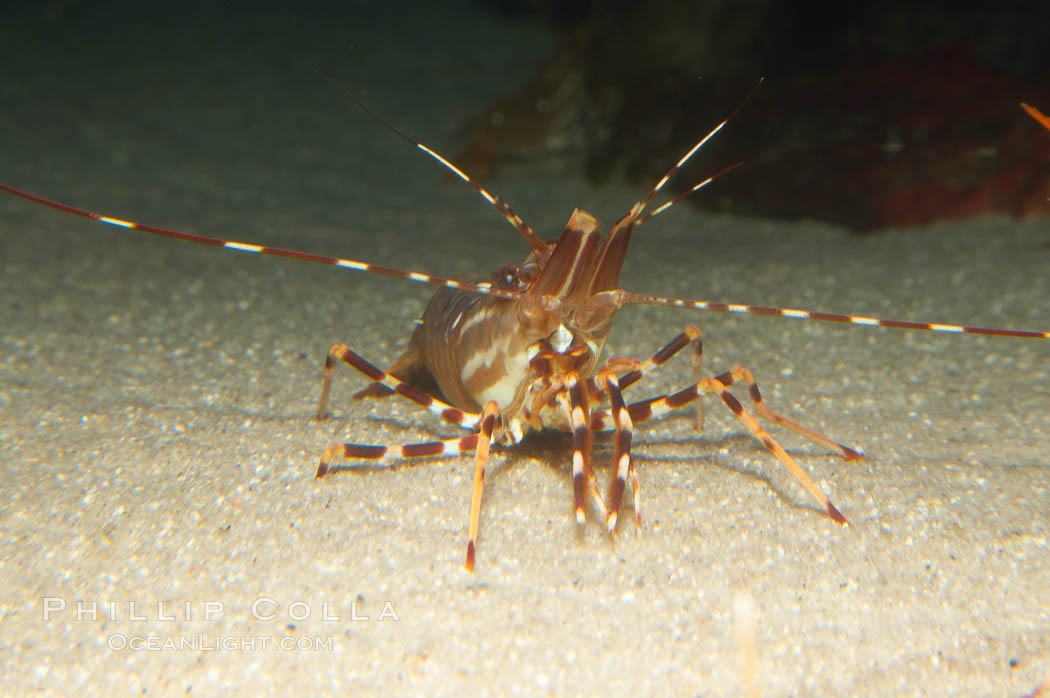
(482, 288)
(685, 158)
(696, 187)
(627, 297)
(623, 297)
(498, 203)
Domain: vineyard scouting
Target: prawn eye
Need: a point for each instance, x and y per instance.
(507, 277)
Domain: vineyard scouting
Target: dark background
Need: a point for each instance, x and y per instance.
(872, 114)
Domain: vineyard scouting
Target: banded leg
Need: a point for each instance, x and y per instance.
(744, 376)
(624, 464)
(636, 370)
(645, 409)
(341, 352)
(387, 454)
(576, 403)
(653, 407)
(489, 415)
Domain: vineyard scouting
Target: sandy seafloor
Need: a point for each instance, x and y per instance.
(157, 448)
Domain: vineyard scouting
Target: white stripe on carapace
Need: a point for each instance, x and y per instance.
(503, 391)
(482, 358)
(477, 318)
